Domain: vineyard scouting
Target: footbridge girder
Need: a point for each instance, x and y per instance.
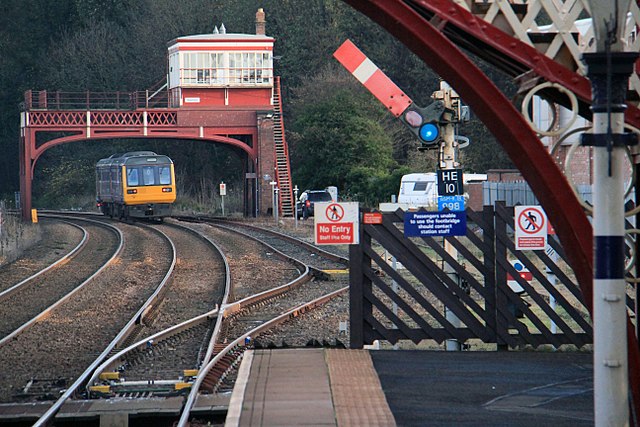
(213, 126)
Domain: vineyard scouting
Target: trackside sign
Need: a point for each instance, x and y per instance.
(424, 224)
(336, 223)
(531, 228)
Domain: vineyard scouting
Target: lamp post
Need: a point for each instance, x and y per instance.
(609, 69)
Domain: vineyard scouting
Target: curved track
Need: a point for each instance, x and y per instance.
(266, 309)
(178, 313)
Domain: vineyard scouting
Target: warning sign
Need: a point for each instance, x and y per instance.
(372, 218)
(336, 223)
(531, 228)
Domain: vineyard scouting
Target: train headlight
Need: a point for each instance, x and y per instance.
(166, 189)
(132, 191)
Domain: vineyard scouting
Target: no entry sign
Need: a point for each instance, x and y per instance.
(336, 223)
(531, 228)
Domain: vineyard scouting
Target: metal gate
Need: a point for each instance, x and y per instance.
(408, 302)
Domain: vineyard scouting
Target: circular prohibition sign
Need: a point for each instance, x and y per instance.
(334, 212)
(531, 221)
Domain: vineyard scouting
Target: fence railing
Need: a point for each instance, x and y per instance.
(59, 100)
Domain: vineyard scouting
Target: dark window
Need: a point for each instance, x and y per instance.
(322, 196)
(420, 186)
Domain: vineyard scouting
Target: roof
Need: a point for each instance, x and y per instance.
(208, 38)
(135, 157)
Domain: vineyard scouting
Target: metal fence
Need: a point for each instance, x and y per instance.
(519, 193)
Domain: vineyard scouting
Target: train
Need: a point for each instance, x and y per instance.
(138, 184)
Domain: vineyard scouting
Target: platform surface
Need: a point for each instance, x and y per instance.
(412, 388)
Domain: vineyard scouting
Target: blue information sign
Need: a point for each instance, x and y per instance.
(453, 203)
(425, 224)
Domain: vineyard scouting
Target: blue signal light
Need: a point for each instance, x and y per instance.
(429, 132)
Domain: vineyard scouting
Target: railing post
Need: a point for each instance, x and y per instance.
(357, 279)
(28, 100)
(489, 238)
(501, 276)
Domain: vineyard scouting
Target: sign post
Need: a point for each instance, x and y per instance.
(336, 223)
(450, 182)
(295, 206)
(273, 199)
(223, 192)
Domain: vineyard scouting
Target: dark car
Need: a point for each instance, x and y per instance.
(304, 206)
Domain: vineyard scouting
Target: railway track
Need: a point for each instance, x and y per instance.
(258, 314)
(189, 341)
(33, 298)
(267, 304)
(52, 356)
(172, 340)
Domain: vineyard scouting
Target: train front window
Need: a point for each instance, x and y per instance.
(165, 175)
(132, 177)
(147, 175)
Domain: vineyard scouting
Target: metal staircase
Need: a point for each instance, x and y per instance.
(286, 204)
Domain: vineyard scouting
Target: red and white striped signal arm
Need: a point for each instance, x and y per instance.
(372, 78)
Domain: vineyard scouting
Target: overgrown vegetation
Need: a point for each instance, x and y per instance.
(15, 235)
(338, 133)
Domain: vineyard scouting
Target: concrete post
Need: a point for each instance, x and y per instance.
(609, 73)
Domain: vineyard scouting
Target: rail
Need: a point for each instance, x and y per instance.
(291, 314)
(227, 310)
(160, 336)
(10, 291)
(308, 246)
(51, 412)
(52, 307)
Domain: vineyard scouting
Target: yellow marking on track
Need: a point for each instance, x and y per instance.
(110, 376)
(345, 271)
(100, 388)
(190, 372)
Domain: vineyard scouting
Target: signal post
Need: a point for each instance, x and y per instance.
(448, 161)
(434, 126)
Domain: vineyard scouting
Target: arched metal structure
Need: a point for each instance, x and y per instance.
(433, 29)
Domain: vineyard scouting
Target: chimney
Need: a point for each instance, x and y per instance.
(260, 22)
